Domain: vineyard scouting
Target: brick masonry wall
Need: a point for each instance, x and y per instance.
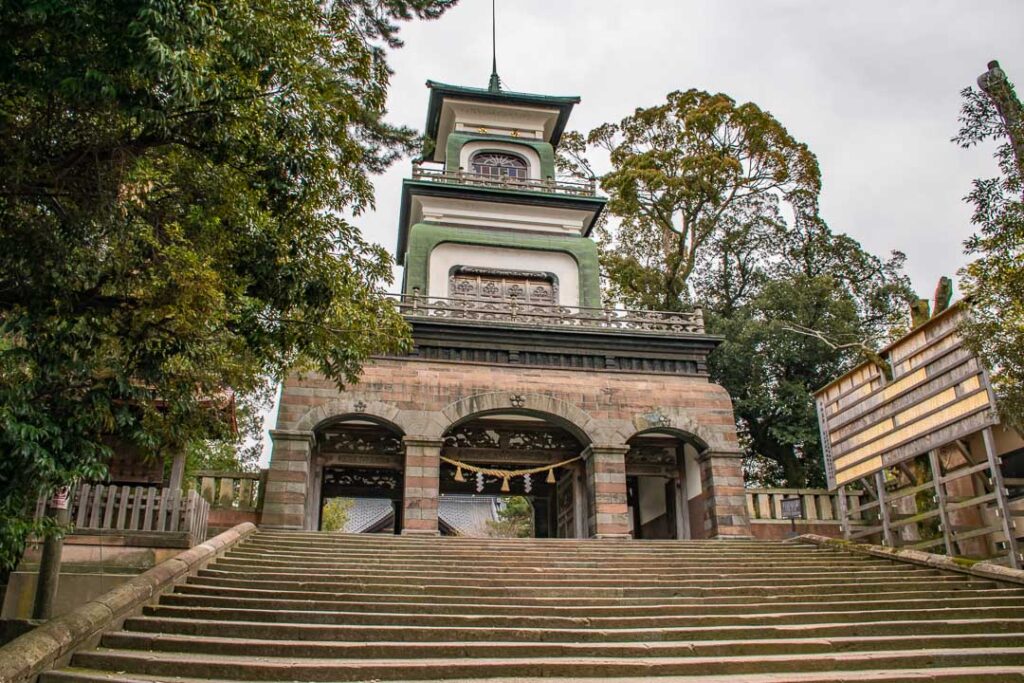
(424, 398)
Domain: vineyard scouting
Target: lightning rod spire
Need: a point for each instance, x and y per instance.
(495, 83)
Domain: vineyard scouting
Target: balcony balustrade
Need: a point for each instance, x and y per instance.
(554, 316)
(442, 176)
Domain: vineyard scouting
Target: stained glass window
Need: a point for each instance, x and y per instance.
(499, 164)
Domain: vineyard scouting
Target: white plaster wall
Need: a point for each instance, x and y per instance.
(485, 214)
(448, 254)
(528, 153)
(651, 491)
(692, 472)
(498, 118)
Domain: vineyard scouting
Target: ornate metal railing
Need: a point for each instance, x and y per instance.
(545, 315)
(551, 186)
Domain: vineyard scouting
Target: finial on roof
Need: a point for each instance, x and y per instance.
(495, 83)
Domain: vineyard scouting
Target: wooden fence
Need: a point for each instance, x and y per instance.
(126, 508)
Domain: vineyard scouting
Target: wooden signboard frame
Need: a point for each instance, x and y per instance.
(873, 420)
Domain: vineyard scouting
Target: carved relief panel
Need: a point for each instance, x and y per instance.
(503, 285)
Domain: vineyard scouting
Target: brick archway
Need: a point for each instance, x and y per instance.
(555, 410)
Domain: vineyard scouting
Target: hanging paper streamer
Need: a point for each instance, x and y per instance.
(505, 475)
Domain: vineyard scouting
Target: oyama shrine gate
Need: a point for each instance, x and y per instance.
(520, 381)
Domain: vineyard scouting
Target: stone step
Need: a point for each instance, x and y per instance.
(991, 674)
(927, 594)
(393, 540)
(406, 633)
(563, 547)
(131, 640)
(591, 555)
(310, 669)
(298, 606)
(342, 559)
(706, 588)
(285, 602)
(467, 621)
(443, 568)
(471, 577)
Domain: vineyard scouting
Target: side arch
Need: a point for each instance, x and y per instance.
(352, 407)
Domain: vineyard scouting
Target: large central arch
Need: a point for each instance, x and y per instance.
(515, 440)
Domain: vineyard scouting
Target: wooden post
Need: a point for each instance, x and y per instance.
(49, 563)
(883, 510)
(682, 504)
(940, 499)
(1002, 502)
(844, 512)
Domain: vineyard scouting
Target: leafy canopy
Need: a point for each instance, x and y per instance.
(680, 171)
(994, 281)
(716, 206)
(172, 177)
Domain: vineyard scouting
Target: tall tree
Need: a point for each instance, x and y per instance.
(994, 281)
(172, 177)
(683, 171)
(717, 206)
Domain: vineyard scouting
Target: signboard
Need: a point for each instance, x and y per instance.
(59, 498)
(792, 508)
(938, 393)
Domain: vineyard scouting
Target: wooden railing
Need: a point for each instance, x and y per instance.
(126, 508)
(586, 188)
(235, 490)
(512, 310)
(819, 505)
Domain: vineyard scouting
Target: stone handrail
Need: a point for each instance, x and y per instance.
(820, 506)
(54, 642)
(235, 490)
(984, 569)
(461, 177)
(549, 315)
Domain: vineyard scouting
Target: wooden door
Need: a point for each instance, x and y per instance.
(565, 505)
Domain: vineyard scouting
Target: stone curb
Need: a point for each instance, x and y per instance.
(27, 656)
(983, 570)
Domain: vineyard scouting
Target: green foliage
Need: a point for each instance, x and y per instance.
(718, 208)
(335, 514)
(172, 182)
(682, 171)
(994, 282)
(515, 519)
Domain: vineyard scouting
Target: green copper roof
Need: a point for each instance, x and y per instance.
(439, 91)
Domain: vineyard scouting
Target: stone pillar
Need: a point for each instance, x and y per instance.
(606, 491)
(287, 497)
(420, 493)
(725, 505)
(177, 472)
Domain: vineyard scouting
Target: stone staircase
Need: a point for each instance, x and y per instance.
(292, 606)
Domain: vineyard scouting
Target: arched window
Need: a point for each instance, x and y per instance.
(499, 164)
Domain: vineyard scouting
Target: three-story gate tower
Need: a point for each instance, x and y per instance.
(521, 379)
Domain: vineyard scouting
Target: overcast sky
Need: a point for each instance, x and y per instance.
(871, 86)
